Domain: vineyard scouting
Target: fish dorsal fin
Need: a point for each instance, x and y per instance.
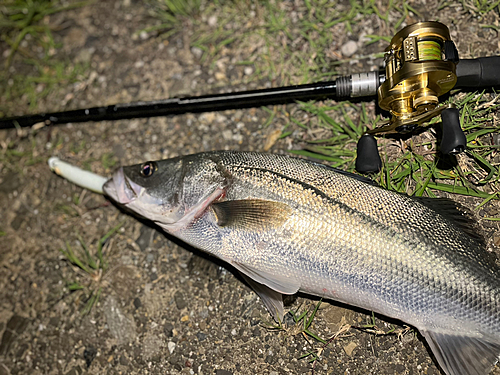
(463, 355)
(453, 212)
(271, 299)
(251, 214)
(278, 283)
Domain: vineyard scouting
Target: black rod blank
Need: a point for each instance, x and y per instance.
(474, 73)
(245, 99)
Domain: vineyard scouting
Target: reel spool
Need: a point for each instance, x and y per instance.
(420, 66)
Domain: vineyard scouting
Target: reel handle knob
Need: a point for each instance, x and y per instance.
(368, 159)
(454, 140)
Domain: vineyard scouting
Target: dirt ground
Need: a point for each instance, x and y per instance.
(165, 308)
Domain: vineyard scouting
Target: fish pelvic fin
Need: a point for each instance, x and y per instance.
(251, 214)
(269, 287)
(271, 298)
(278, 283)
(463, 355)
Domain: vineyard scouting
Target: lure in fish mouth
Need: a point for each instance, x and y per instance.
(290, 225)
(123, 190)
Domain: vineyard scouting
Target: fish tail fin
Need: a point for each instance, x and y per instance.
(463, 355)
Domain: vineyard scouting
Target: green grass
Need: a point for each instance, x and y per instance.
(416, 170)
(339, 149)
(304, 321)
(172, 14)
(461, 178)
(17, 154)
(90, 265)
(37, 72)
(479, 8)
(287, 50)
(45, 77)
(302, 327)
(108, 161)
(20, 18)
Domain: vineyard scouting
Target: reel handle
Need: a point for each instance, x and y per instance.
(368, 159)
(454, 140)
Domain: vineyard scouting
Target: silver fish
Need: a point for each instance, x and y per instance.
(292, 225)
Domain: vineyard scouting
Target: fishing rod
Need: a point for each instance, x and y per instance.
(421, 64)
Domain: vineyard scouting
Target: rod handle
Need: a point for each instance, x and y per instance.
(481, 72)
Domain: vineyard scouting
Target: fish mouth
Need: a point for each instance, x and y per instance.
(136, 198)
(121, 189)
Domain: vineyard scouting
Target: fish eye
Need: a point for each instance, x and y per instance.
(148, 168)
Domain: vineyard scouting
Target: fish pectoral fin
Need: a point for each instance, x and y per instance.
(251, 214)
(271, 299)
(463, 355)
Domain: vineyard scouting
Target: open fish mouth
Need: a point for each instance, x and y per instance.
(135, 197)
(121, 189)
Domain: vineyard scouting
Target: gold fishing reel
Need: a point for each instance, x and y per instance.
(420, 66)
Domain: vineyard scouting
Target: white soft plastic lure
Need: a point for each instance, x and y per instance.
(78, 176)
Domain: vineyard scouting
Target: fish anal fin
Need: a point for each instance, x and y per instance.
(463, 355)
(251, 214)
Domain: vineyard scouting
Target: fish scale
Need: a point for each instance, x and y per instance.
(287, 224)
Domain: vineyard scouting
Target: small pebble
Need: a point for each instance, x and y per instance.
(197, 52)
(349, 48)
(219, 76)
(212, 21)
(349, 348)
(171, 347)
(227, 135)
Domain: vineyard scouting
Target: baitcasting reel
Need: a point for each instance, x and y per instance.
(421, 64)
